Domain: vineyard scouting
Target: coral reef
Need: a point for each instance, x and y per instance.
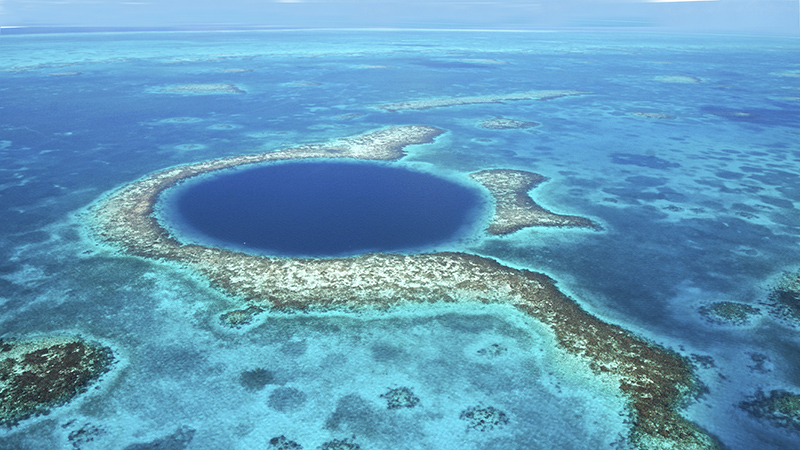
(703, 361)
(455, 101)
(222, 126)
(784, 296)
(729, 312)
(282, 443)
(400, 398)
(762, 363)
(239, 317)
(483, 419)
(337, 444)
(178, 440)
(502, 123)
(218, 88)
(652, 115)
(514, 209)
(680, 79)
(39, 374)
(731, 113)
(492, 351)
(653, 379)
(83, 435)
(182, 120)
(348, 116)
(779, 407)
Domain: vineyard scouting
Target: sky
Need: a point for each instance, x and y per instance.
(760, 16)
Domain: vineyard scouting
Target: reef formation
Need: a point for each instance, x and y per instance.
(779, 407)
(483, 419)
(783, 300)
(215, 88)
(38, 374)
(504, 123)
(455, 101)
(679, 79)
(652, 115)
(732, 313)
(514, 209)
(400, 398)
(653, 379)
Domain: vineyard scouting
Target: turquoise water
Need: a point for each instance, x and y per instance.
(697, 206)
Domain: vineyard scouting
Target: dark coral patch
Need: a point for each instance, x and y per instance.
(729, 313)
(282, 443)
(83, 435)
(239, 317)
(178, 440)
(502, 123)
(779, 407)
(493, 350)
(784, 298)
(337, 444)
(400, 398)
(37, 375)
(483, 419)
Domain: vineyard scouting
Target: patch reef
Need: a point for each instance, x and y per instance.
(38, 374)
(503, 123)
(455, 101)
(653, 379)
(218, 88)
(514, 209)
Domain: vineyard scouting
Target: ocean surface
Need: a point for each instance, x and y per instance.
(686, 149)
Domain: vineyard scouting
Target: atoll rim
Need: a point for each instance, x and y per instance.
(653, 379)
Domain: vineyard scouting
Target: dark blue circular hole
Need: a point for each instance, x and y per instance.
(323, 209)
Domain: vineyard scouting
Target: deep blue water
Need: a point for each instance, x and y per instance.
(327, 208)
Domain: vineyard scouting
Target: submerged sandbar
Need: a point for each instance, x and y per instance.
(652, 378)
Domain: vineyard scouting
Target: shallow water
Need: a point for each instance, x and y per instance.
(698, 205)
